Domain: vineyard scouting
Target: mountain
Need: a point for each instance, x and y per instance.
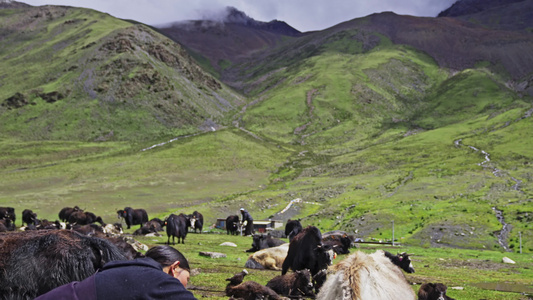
(230, 38)
(387, 115)
(495, 14)
(12, 4)
(421, 121)
(72, 73)
(456, 44)
(238, 55)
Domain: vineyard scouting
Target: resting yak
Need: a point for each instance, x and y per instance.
(269, 258)
(363, 276)
(29, 217)
(65, 212)
(433, 291)
(8, 214)
(36, 261)
(339, 240)
(294, 285)
(261, 241)
(249, 290)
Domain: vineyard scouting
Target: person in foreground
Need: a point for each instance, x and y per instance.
(162, 274)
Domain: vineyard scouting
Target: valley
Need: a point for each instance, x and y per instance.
(424, 122)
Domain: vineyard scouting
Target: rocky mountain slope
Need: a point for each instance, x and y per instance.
(71, 73)
(230, 39)
(455, 44)
(495, 14)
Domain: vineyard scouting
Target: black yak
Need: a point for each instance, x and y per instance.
(36, 261)
(249, 290)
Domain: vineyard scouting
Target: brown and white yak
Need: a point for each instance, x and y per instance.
(366, 276)
(269, 258)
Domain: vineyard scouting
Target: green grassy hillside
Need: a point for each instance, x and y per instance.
(77, 74)
(378, 133)
(363, 131)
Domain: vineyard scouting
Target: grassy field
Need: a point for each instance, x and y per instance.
(454, 267)
(106, 177)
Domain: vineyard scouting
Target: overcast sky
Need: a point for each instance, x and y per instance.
(304, 15)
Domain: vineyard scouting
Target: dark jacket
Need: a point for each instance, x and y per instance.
(141, 278)
(246, 216)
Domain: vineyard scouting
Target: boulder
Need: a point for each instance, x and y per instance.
(507, 260)
(212, 254)
(229, 244)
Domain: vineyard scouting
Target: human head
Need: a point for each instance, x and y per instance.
(242, 209)
(172, 261)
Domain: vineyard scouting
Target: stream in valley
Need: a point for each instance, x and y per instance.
(503, 234)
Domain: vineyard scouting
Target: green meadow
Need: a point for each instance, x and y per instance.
(461, 270)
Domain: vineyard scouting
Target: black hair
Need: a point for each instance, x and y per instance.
(166, 256)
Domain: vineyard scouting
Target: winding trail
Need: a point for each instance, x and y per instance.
(487, 165)
(309, 103)
(172, 140)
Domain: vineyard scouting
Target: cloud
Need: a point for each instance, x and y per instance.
(304, 15)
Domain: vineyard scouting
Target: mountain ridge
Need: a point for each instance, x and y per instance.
(514, 15)
(455, 43)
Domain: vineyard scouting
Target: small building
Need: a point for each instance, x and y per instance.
(221, 223)
(262, 226)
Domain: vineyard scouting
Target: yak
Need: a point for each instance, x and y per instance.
(401, 260)
(176, 227)
(261, 241)
(294, 285)
(232, 224)
(133, 216)
(339, 240)
(153, 226)
(363, 276)
(36, 261)
(307, 252)
(292, 228)
(8, 213)
(269, 258)
(433, 291)
(197, 221)
(29, 217)
(249, 290)
(84, 218)
(65, 212)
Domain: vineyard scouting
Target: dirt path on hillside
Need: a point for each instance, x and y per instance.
(309, 102)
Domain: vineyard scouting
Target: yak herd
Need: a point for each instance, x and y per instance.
(46, 254)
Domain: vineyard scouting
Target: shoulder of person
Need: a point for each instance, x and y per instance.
(145, 262)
